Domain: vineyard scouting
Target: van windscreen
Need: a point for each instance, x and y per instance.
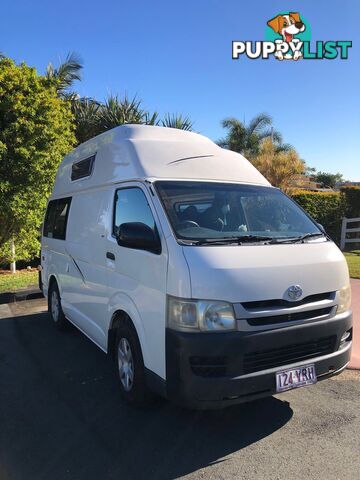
(203, 211)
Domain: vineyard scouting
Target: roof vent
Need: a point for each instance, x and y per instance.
(83, 168)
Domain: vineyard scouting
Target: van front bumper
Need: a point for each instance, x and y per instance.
(214, 370)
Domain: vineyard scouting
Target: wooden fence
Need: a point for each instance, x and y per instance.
(345, 230)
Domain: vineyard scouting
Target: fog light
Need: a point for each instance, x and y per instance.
(345, 338)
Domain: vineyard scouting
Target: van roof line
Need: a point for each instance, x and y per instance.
(137, 152)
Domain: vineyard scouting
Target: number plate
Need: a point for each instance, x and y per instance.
(295, 377)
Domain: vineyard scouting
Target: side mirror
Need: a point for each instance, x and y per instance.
(139, 236)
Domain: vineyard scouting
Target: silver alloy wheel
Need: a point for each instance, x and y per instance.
(125, 364)
(55, 306)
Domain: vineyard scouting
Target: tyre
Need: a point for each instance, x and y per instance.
(54, 307)
(130, 366)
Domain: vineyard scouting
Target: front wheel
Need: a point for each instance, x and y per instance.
(130, 366)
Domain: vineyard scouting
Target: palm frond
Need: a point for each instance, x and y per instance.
(151, 119)
(231, 122)
(258, 123)
(71, 97)
(284, 147)
(222, 143)
(86, 114)
(118, 111)
(177, 121)
(271, 133)
(249, 139)
(236, 137)
(66, 73)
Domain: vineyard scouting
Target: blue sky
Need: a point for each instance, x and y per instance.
(176, 56)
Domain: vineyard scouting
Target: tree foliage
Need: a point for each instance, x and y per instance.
(247, 139)
(352, 201)
(86, 118)
(327, 208)
(92, 118)
(279, 167)
(36, 131)
(328, 179)
(65, 74)
(177, 121)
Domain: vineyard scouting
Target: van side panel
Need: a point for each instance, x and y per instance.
(53, 261)
(84, 283)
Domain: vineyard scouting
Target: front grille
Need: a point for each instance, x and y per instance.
(289, 317)
(208, 366)
(279, 303)
(276, 357)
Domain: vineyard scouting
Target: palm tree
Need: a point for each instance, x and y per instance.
(284, 147)
(177, 121)
(118, 111)
(246, 139)
(151, 119)
(66, 73)
(86, 117)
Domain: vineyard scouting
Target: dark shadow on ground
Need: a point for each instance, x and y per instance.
(61, 416)
(20, 295)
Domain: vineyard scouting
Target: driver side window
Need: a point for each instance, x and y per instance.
(131, 206)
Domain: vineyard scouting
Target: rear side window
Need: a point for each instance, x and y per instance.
(56, 218)
(49, 219)
(83, 168)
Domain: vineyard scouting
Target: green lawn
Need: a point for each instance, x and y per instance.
(353, 260)
(10, 282)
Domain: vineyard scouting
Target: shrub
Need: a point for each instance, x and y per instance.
(326, 208)
(352, 201)
(279, 167)
(36, 131)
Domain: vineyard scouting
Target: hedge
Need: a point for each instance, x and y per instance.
(352, 201)
(326, 208)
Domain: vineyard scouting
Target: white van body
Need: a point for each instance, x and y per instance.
(100, 281)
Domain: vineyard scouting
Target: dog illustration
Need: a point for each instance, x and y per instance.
(287, 26)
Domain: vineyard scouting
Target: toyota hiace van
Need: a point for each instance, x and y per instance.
(206, 284)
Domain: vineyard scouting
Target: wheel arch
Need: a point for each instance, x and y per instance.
(51, 278)
(118, 317)
(129, 314)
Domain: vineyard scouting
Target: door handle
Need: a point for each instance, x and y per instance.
(110, 256)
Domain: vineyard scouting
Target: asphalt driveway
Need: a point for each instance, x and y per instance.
(61, 418)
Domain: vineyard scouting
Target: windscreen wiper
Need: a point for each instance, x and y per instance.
(298, 239)
(237, 240)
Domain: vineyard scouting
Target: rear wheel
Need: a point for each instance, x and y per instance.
(130, 366)
(54, 306)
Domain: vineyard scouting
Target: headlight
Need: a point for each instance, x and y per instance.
(344, 296)
(200, 315)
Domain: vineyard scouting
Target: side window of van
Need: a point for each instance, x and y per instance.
(56, 218)
(131, 206)
(49, 219)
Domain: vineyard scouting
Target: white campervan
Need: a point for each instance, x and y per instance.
(208, 285)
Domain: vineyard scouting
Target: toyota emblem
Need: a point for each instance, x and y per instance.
(294, 292)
